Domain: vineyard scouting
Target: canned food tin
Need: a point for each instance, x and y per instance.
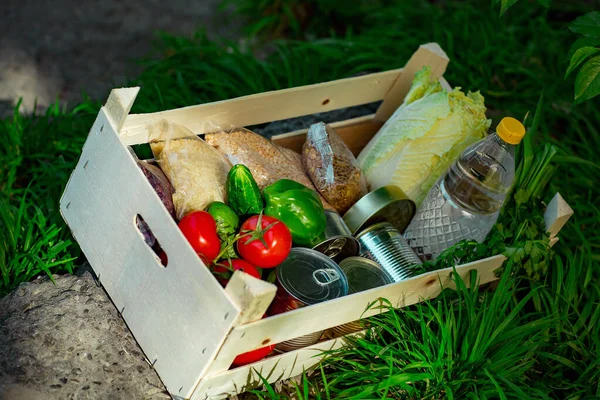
(383, 244)
(362, 274)
(298, 343)
(337, 241)
(388, 203)
(306, 277)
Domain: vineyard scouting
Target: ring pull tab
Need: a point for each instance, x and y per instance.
(335, 247)
(325, 276)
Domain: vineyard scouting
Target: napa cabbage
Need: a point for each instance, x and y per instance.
(423, 137)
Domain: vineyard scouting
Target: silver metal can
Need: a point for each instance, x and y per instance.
(386, 204)
(362, 274)
(306, 277)
(385, 245)
(299, 342)
(337, 241)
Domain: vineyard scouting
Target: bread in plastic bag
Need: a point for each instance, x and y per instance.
(332, 167)
(197, 171)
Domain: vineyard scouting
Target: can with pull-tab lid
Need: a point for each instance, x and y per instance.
(306, 277)
(386, 204)
(362, 274)
(337, 241)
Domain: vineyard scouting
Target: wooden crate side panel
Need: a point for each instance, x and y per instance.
(179, 314)
(336, 312)
(400, 294)
(273, 369)
(267, 106)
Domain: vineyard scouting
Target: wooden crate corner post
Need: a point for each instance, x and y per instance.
(430, 54)
(253, 297)
(556, 215)
(119, 105)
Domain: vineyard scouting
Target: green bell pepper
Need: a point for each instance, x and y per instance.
(298, 207)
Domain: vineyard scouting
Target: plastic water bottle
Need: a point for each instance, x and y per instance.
(466, 201)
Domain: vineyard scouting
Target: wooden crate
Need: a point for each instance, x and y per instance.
(188, 326)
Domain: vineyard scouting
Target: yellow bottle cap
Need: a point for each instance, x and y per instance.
(511, 130)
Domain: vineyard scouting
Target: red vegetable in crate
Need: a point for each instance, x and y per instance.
(200, 229)
(164, 260)
(223, 269)
(265, 241)
(253, 356)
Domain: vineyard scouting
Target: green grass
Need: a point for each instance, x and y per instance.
(37, 155)
(465, 343)
(528, 338)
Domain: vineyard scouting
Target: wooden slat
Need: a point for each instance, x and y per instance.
(179, 314)
(336, 312)
(556, 215)
(282, 366)
(431, 55)
(119, 104)
(252, 296)
(266, 107)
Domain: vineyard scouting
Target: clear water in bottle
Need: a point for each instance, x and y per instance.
(465, 202)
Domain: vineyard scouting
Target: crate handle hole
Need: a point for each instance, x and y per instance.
(151, 241)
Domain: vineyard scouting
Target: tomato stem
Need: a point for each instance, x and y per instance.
(255, 234)
(230, 245)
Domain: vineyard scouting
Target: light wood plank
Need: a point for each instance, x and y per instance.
(268, 106)
(431, 55)
(557, 214)
(180, 314)
(279, 328)
(273, 369)
(119, 104)
(252, 296)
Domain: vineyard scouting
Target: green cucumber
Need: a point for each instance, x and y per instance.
(242, 191)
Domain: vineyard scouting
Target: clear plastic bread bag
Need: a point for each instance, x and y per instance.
(332, 167)
(197, 171)
(267, 161)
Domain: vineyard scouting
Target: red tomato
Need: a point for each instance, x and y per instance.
(267, 243)
(236, 264)
(252, 356)
(200, 229)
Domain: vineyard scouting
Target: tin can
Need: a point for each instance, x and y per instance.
(306, 277)
(337, 241)
(383, 244)
(362, 274)
(386, 204)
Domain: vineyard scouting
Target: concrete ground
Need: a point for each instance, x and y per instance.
(54, 50)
